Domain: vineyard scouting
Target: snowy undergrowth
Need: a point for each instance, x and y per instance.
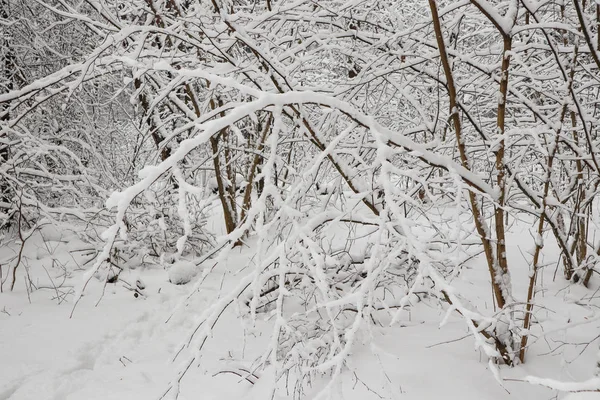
(367, 163)
(126, 347)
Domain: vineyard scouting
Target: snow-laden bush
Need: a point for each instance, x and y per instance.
(182, 272)
(437, 122)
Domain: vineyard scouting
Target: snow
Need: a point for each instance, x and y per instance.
(122, 347)
(589, 385)
(370, 285)
(583, 396)
(182, 272)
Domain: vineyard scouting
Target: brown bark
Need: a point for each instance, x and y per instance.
(156, 137)
(480, 226)
(230, 223)
(499, 165)
(541, 223)
(226, 193)
(598, 27)
(254, 167)
(581, 241)
(231, 175)
(586, 34)
(143, 98)
(229, 217)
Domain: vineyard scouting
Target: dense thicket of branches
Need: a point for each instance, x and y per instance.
(385, 120)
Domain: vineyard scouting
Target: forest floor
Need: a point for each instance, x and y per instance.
(117, 346)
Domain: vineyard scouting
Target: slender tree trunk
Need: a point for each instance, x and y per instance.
(598, 26)
(542, 221)
(480, 225)
(230, 223)
(499, 165)
(254, 168)
(156, 136)
(497, 277)
(231, 173)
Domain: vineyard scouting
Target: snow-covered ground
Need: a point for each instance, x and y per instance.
(118, 346)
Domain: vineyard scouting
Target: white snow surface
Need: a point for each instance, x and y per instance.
(117, 346)
(182, 272)
(583, 396)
